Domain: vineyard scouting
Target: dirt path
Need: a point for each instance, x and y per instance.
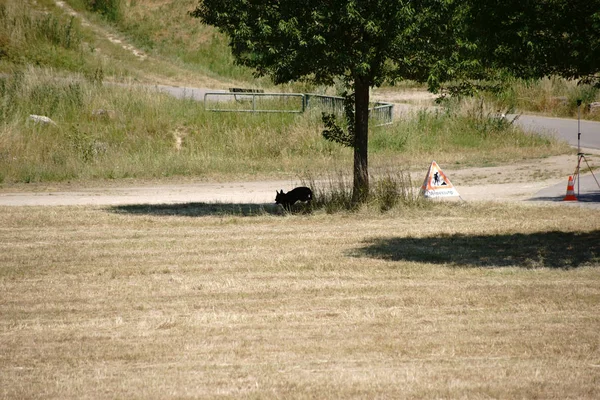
(101, 32)
(509, 183)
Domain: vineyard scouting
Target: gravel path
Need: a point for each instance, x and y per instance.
(539, 181)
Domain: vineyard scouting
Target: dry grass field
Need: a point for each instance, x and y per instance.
(235, 301)
(458, 300)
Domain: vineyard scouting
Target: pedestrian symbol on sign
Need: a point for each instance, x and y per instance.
(437, 181)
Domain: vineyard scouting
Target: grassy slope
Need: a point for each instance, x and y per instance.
(181, 50)
(147, 135)
(154, 136)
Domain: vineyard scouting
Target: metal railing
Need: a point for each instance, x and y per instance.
(257, 102)
(383, 113)
(332, 104)
(253, 102)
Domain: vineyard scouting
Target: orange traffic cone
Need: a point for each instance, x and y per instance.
(570, 191)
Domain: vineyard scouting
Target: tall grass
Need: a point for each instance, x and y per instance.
(39, 33)
(389, 190)
(165, 29)
(28, 36)
(112, 10)
(469, 132)
(552, 96)
(110, 132)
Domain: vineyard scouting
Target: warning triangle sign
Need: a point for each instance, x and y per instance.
(437, 183)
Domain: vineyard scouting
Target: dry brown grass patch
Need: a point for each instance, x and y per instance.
(139, 303)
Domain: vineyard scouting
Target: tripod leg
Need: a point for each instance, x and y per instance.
(590, 168)
(576, 174)
(577, 167)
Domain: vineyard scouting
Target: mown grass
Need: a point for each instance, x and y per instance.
(477, 301)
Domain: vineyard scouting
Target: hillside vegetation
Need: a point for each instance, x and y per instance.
(108, 132)
(59, 65)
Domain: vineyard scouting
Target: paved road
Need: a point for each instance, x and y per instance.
(587, 188)
(566, 129)
(587, 191)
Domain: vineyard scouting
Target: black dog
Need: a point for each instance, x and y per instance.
(288, 199)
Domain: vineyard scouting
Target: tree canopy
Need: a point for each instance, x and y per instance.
(323, 39)
(536, 38)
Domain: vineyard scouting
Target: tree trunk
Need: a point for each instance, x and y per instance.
(361, 140)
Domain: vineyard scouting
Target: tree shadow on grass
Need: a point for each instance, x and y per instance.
(563, 250)
(199, 209)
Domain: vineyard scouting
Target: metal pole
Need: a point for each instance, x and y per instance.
(578, 126)
(579, 154)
